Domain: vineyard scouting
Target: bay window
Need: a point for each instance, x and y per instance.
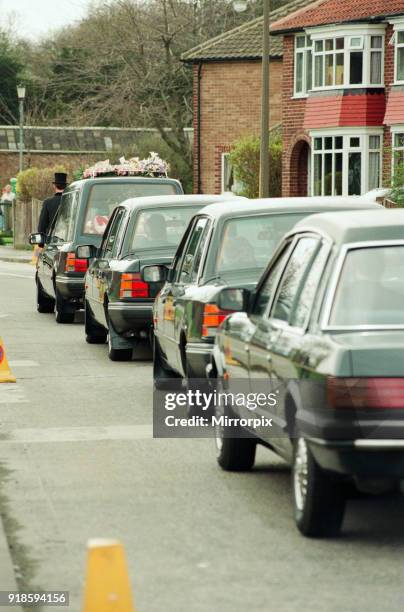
(349, 58)
(398, 148)
(399, 56)
(345, 163)
(303, 65)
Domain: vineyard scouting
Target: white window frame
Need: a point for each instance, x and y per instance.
(398, 27)
(364, 147)
(304, 50)
(396, 129)
(224, 157)
(365, 33)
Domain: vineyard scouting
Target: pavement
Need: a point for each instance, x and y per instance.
(9, 254)
(77, 461)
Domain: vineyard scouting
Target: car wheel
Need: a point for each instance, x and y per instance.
(95, 333)
(161, 373)
(235, 452)
(197, 384)
(115, 353)
(44, 304)
(318, 495)
(63, 314)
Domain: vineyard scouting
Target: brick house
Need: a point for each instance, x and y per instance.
(227, 96)
(343, 96)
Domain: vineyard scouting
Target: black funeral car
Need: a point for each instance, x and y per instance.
(324, 332)
(82, 218)
(118, 303)
(225, 244)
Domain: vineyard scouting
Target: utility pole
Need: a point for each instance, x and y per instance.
(264, 153)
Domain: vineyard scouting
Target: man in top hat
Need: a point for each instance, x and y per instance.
(51, 205)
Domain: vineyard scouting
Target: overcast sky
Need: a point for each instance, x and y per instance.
(35, 18)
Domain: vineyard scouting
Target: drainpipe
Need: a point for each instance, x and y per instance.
(199, 180)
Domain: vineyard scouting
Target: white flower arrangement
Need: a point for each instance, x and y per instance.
(151, 166)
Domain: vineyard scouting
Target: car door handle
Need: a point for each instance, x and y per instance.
(246, 348)
(269, 358)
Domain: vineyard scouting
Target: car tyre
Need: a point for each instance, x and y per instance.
(318, 496)
(235, 451)
(115, 353)
(44, 304)
(95, 333)
(63, 315)
(161, 373)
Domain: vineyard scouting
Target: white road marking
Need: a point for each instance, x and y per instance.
(23, 363)
(12, 394)
(80, 434)
(17, 275)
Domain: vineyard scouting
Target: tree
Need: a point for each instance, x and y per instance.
(245, 159)
(121, 65)
(11, 68)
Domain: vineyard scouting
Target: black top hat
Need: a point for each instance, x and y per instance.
(60, 179)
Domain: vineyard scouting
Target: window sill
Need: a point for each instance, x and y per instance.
(299, 96)
(348, 87)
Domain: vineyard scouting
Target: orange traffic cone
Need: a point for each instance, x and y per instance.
(107, 587)
(5, 374)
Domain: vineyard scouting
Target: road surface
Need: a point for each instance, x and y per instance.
(77, 461)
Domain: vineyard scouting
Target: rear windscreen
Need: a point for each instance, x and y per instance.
(160, 227)
(247, 243)
(370, 289)
(104, 198)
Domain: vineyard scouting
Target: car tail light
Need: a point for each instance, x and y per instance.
(366, 392)
(213, 316)
(75, 265)
(132, 286)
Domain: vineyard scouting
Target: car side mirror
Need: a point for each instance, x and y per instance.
(86, 251)
(154, 274)
(235, 299)
(37, 238)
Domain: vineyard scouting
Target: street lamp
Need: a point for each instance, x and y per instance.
(240, 6)
(21, 98)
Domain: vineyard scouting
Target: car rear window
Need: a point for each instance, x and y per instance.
(370, 290)
(247, 243)
(104, 198)
(160, 227)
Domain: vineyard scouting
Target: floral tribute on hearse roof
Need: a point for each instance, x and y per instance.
(152, 166)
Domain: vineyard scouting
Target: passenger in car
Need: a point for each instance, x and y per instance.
(235, 248)
(155, 232)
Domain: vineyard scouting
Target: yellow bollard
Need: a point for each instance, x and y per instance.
(5, 374)
(107, 586)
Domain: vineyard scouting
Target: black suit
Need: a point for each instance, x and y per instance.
(48, 212)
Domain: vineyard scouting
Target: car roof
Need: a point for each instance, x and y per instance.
(288, 205)
(172, 200)
(356, 226)
(120, 179)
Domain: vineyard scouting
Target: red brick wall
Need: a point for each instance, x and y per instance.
(230, 109)
(292, 122)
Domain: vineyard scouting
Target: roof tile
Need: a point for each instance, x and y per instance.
(243, 42)
(324, 12)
